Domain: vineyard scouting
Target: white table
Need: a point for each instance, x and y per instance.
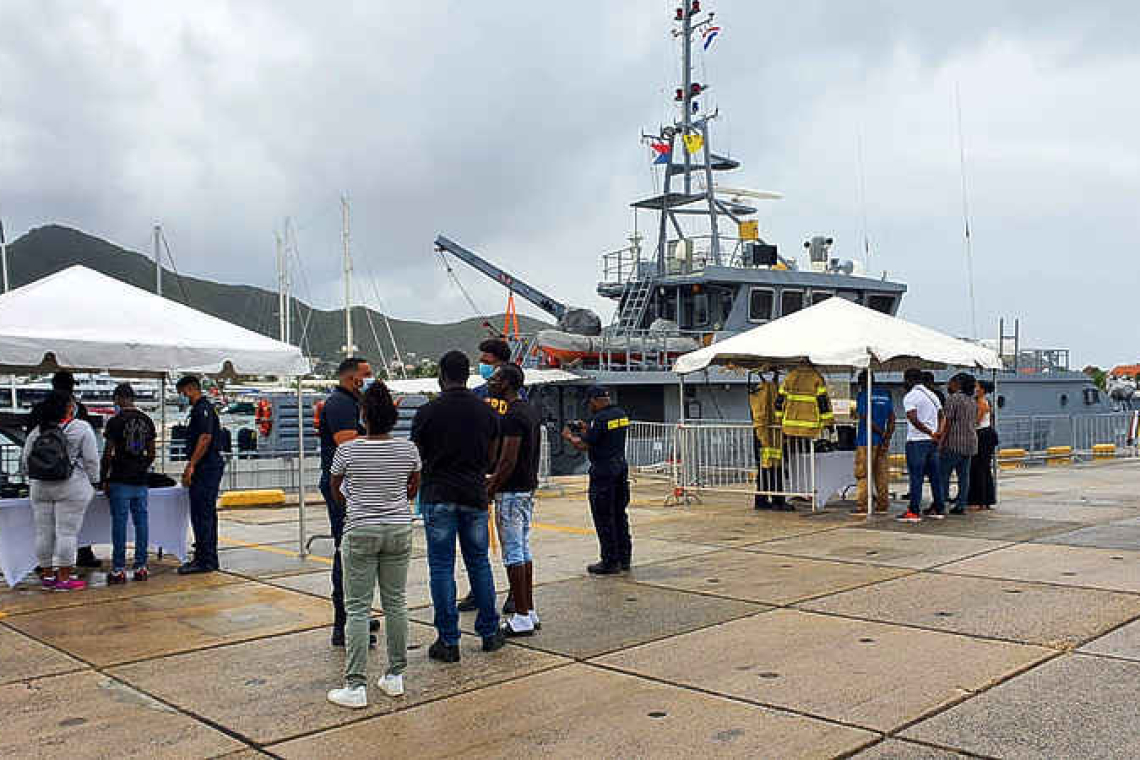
(168, 511)
(834, 472)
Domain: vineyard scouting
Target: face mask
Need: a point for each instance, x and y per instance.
(118, 409)
(368, 382)
(486, 370)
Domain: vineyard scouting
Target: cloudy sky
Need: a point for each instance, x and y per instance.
(513, 127)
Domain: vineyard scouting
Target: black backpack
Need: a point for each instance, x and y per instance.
(49, 460)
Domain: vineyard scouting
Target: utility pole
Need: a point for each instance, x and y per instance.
(349, 348)
(158, 259)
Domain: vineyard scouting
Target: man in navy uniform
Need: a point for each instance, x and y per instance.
(340, 423)
(604, 442)
(203, 475)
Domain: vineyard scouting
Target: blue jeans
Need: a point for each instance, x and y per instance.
(442, 523)
(922, 463)
(126, 498)
(949, 463)
(513, 514)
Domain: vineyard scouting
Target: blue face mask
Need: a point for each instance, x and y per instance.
(486, 370)
(118, 408)
(368, 381)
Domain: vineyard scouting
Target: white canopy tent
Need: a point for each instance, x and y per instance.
(81, 320)
(840, 335)
(532, 377)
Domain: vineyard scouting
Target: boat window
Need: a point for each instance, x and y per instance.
(700, 309)
(1064, 399)
(884, 304)
(791, 301)
(1092, 396)
(849, 295)
(819, 296)
(667, 307)
(760, 303)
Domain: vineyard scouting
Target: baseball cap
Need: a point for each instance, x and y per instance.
(596, 391)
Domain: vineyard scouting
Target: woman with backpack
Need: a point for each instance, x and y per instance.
(62, 463)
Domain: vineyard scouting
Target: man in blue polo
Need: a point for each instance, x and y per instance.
(340, 423)
(882, 419)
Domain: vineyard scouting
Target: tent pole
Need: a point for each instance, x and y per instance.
(870, 449)
(162, 415)
(681, 398)
(301, 548)
(993, 428)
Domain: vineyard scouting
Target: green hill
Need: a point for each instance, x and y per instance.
(49, 249)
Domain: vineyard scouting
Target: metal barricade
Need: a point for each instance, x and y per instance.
(1116, 429)
(649, 449)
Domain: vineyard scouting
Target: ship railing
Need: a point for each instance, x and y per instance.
(641, 350)
(620, 267)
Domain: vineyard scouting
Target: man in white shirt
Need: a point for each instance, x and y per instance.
(922, 414)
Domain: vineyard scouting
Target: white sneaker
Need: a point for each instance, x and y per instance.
(519, 625)
(393, 685)
(352, 697)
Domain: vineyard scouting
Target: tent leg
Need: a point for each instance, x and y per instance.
(681, 399)
(302, 549)
(162, 411)
(993, 427)
(870, 449)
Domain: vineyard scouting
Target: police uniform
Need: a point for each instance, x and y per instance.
(340, 413)
(609, 484)
(205, 482)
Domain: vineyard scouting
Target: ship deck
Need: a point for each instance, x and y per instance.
(738, 633)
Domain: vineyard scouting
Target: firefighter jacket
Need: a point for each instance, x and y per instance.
(769, 438)
(802, 406)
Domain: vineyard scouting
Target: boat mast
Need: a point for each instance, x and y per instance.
(158, 259)
(4, 255)
(349, 349)
(687, 83)
(281, 335)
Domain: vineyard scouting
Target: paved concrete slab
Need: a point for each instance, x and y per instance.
(22, 658)
(760, 577)
(586, 617)
(1111, 536)
(1051, 616)
(872, 547)
(29, 596)
(1075, 706)
(894, 749)
(989, 525)
(868, 674)
(581, 711)
(1067, 509)
(266, 561)
(1112, 569)
(734, 530)
(150, 626)
(257, 533)
(90, 715)
(1123, 642)
(274, 689)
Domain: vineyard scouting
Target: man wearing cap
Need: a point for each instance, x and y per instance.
(604, 442)
(127, 457)
(202, 476)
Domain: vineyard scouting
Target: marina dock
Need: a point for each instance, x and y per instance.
(738, 633)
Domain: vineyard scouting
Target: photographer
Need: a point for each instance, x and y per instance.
(604, 442)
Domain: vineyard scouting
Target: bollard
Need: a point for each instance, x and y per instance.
(270, 497)
(1059, 456)
(1011, 459)
(1104, 451)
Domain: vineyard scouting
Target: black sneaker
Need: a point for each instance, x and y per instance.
(443, 652)
(467, 604)
(337, 639)
(116, 577)
(603, 568)
(494, 642)
(957, 511)
(509, 606)
(193, 568)
(626, 567)
(86, 558)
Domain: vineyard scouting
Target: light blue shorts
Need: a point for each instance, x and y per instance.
(513, 515)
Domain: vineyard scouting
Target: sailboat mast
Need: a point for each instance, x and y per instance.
(280, 289)
(158, 259)
(349, 349)
(4, 256)
(687, 84)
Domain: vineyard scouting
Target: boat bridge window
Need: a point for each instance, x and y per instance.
(760, 303)
(881, 303)
(1092, 396)
(791, 301)
(850, 295)
(694, 310)
(819, 296)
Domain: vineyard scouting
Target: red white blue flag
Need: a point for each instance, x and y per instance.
(709, 35)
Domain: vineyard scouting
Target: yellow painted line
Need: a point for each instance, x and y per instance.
(564, 529)
(3, 615)
(272, 549)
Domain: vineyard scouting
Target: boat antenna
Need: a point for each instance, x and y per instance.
(966, 214)
(863, 201)
(349, 349)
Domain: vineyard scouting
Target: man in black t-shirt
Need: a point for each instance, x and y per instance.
(340, 423)
(456, 434)
(512, 486)
(202, 476)
(604, 441)
(64, 382)
(127, 457)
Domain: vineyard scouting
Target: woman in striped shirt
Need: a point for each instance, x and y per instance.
(375, 476)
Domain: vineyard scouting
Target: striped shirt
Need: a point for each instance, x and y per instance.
(961, 425)
(376, 480)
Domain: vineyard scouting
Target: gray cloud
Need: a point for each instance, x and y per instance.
(514, 127)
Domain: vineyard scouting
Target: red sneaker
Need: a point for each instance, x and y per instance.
(141, 574)
(909, 517)
(71, 584)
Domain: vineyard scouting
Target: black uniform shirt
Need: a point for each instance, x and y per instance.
(341, 412)
(454, 434)
(204, 421)
(606, 439)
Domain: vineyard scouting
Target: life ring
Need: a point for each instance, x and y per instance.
(317, 409)
(263, 414)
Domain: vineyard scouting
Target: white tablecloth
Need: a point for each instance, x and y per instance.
(168, 511)
(834, 472)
